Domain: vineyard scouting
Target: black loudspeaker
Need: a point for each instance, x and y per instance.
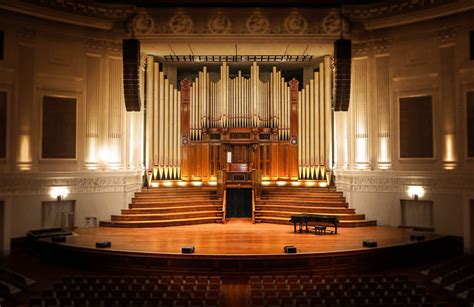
(471, 45)
(369, 243)
(58, 239)
(289, 249)
(342, 74)
(131, 68)
(103, 244)
(188, 249)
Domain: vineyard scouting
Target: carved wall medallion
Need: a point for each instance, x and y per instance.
(332, 24)
(143, 23)
(258, 24)
(219, 24)
(295, 24)
(181, 24)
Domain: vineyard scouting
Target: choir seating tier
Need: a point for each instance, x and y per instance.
(170, 206)
(278, 204)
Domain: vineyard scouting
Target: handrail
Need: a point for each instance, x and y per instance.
(253, 206)
(224, 205)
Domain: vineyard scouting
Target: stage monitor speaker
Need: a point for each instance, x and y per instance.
(289, 249)
(187, 250)
(103, 244)
(131, 77)
(417, 237)
(58, 239)
(342, 74)
(369, 243)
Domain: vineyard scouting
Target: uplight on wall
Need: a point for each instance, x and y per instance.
(280, 183)
(182, 183)
(197, 183)
(168, 184)
(295, 183)
(212, 183)
(266, 183)
(415, 191)
(310, 183)
(59, 193)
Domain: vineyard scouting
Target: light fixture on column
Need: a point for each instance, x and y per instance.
(415, 192)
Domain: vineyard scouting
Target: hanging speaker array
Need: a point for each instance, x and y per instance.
(342, 74)
(131, 81)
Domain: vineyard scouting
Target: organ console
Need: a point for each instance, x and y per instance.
(268, 123)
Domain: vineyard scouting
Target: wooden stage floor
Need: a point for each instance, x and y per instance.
(238, 237)
(240, 247)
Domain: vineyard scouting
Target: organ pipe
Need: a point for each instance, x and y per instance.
(238, 102)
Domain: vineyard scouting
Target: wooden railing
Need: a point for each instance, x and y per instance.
(224, 205)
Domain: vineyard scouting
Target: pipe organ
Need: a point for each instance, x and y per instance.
(208, 125)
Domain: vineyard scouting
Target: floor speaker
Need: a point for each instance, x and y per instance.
(342, 74)
(131, 77)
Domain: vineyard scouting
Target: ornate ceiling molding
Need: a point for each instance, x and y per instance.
(15, 184)
(397, 13)
(398, 182)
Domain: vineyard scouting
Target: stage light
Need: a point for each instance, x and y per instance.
(280, 183)
(266, 183)
(197, 183)
(182, 183)
(168, 184)
(212, 183)
(323, 184)
(310, 183)
(154, 184)
(59, 193)
(295, 183)
(415, 191)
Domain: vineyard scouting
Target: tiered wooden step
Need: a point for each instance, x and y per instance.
(278, 204)
(170, 206)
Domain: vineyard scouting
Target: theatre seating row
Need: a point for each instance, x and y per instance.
(305, 290)
(456, 276)
(133, 291)
(12, 283)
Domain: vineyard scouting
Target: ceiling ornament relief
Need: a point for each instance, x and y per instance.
(143, 23)
(295, 24)
(219, 24)
(258, 24)
(181, 24)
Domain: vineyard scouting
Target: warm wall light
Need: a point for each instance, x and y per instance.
(154, 184)
(182, 183)
(310, 183)
(59, 193)
(266, 183)
(295, 183)
(415, 191)
(168, 184)
(197, 183)
(323, 184)
(212, 183)
(280, 183)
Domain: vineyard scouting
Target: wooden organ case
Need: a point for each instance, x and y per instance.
(239, 128)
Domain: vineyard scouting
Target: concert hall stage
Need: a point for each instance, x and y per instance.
(240, 247)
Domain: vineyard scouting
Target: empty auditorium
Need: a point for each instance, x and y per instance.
(236, 153)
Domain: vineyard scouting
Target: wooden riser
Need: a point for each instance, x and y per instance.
(343, 223)
(174, 204)
(201, 220)
(160, 210)
(179, 189)
(287, 194)
(301, 204)
(287, 215)
(171, 196)
(169, 216)
(301, 209)
(301, 189)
